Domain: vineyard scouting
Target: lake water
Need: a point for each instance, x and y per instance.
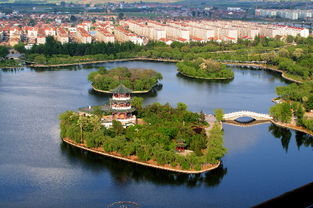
(38, 170)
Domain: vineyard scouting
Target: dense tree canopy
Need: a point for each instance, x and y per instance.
(202, 68)
(281, 112)
(302, 93)
(164, 128)
(135, 79)
(4, 51)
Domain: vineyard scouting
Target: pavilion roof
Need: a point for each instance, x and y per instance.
(121, 89)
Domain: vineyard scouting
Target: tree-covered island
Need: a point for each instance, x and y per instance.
(204, 69)
(138, 80)
(163, 136)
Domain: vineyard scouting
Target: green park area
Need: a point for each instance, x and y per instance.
(134, 79)
(160, 130)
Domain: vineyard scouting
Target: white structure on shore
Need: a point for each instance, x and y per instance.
(204, 30)
(292, 14)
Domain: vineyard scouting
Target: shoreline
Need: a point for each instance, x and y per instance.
(12, 67)
(104, 61)
(262, 66)
(203, 78)
(265, 67)
(133, 92)
(292, 127)
(101, 152)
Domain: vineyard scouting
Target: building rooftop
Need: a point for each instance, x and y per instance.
(121, 89)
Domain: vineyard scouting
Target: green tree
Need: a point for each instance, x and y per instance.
(299, 114)
(117, 127)
(283, 52)
(308, 123)
(4, 51)
(219, 114)
(290, 39)
(40, 59)
(182, 107)
(309, 103)
(97, 111)
(20, 48)
(281, 112)
(137, 102)
(298, 53)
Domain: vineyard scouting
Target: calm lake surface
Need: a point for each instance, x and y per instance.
(38, 170)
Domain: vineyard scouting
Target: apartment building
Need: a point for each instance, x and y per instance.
(292, 14)
(142, 29)
(82, 36)
(123, 35)
(62, 35)
(102, 35)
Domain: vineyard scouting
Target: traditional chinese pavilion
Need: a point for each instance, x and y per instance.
(180, 146)
(120, 105)
(119, 109)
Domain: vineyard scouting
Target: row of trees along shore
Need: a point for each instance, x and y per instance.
(205, 68)
(292, 55)
(296, 102)
(155, 140)
(134, 79)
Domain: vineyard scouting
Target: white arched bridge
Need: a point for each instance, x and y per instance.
(257, 116)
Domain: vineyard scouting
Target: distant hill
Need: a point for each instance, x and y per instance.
(87, 1)
(203, 2)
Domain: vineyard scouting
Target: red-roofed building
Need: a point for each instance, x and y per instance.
(83, 36)
(196, 39)
(50, 31)
(41, 38)
(14, 41)
(123, 35)
(15, 32)
(166, 41)
(102, 35)
(62, 35)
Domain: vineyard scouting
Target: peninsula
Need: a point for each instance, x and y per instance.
(156, 135)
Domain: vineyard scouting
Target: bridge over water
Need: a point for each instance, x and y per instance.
(239, 114)
(245, 124)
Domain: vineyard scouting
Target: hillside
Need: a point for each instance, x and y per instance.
(89, 1)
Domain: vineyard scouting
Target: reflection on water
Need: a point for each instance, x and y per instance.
(303, 139)
(124, 172)
(14, 70)
(40, 173)
(281, 133)
(153, 93)
(245, 123)
(203, 81)
(284, 135)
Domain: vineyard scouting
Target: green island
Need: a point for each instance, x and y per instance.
(138, 80)
(155, 135)
(204, 69)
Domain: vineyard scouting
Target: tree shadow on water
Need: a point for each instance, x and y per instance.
(203, 81)
(153, 93)
(302, 139)
(281, 133)
(124, 172)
